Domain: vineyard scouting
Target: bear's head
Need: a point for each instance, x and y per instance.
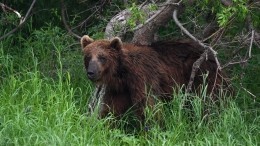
(101, 58)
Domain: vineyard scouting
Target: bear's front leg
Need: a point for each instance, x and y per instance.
(140, 101)
(116, 104)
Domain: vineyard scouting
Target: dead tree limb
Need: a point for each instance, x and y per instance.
(99, 7)
(251, 44)
(254, 96)
(144, 33)
(63, 11)
(5, 7)
(195, 68)
(23, 20)
(96, 98)
(203, 56)
(246, 58)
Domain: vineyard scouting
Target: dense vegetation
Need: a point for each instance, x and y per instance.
(44, 90)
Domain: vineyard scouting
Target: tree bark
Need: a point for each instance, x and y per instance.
(143, 33)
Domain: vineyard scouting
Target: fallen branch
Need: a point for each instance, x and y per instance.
(157, 13)
(203, 56)
(144, 33)
(23, 20)
(5, 7)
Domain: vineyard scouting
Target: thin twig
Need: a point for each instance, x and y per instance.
(89, 16)
(156, 14)
(98, 9)
(63, 9)
(213, 34)
(248, 91)
(217, 38)
(10, 9)
(215, 82)
(144, 3)
(233, 63)
(245, 60)
(21, 23)
(251, 44)
(171, 3)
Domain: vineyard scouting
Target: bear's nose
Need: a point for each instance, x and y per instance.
(90, 74)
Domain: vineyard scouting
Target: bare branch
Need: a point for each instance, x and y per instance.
(195, 39)
(203, 56)
(96, 98)
(157, 14)
(227, 2)
(98, 6)
(21, 23)
(63, 9)
(248, 91)
(144, 3)
(5, 7)
(85, 21)
(213, 34)
(195, 68)
(251, 44)
(144, 33)
(215, 81)
(245, 60)
(171, 3)
(233, 63)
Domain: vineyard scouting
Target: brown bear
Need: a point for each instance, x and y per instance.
(130, 71)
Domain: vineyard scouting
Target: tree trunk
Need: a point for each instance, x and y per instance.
(143, 33)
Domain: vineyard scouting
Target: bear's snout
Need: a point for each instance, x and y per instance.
(92, 71)
(91, 74)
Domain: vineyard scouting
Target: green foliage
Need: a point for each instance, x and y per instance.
(137, 16)
(44, 94)
(44, 89)
(152, 7)
(38, 110)
(237, 10)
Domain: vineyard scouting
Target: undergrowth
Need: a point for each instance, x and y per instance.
(44, 93)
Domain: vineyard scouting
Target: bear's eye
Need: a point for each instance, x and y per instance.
(87, 58)
(102, 59)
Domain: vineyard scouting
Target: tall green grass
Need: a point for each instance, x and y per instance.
(44, 94)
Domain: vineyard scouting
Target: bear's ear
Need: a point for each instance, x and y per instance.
(85, 40)
(116, 43)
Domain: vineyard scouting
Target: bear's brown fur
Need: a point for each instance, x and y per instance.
(130, 71)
